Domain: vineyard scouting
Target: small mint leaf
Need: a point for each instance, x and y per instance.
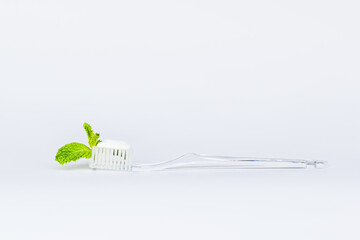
(93, 137)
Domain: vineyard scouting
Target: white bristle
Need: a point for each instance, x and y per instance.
(114, 155)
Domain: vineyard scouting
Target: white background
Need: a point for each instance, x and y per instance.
(241, 78)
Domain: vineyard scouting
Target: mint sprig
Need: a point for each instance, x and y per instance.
(74, 151)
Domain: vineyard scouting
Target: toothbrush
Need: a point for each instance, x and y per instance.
(117, 155)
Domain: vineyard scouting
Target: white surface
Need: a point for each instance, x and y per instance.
(241, 78)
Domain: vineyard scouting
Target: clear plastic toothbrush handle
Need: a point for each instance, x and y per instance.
(200, 161)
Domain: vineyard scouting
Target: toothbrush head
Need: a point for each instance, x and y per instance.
(111, 154)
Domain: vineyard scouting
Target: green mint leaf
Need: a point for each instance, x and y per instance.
(93, 137)
(72, 152)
